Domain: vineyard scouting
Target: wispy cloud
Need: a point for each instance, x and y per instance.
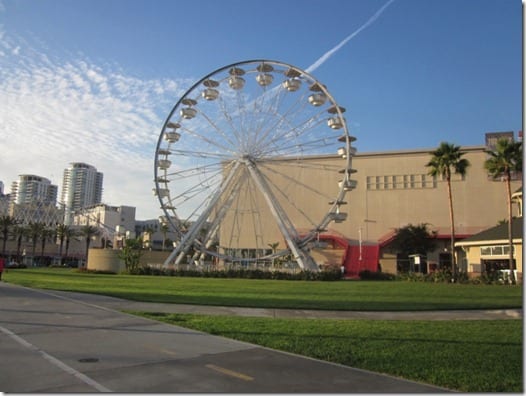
(53, 112)
(331, 52)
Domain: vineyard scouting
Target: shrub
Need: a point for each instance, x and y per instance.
(375, 275)
(90, 271)
(15, 266)
(328, 275)
(441, 276)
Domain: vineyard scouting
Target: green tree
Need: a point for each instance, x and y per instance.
(131, 254)
(502, 163)
(414, 239)
(6, 224)
(88, 232)
(447, 160)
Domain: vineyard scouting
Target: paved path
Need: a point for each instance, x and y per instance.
(55, 342)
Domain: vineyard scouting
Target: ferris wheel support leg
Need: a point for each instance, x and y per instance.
(192, 233)
(305, 261)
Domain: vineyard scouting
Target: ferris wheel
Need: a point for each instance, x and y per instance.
(238, 164)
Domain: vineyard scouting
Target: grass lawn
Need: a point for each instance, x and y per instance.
(339, 295)
(467, 356)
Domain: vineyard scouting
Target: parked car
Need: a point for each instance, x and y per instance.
(14, 264)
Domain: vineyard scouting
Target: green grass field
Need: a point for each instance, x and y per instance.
(339, 295)
(467, 356)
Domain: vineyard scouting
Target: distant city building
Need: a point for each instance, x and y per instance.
(33, 199)
(493, 137)
(113, 222)
(30, 189)
(157, 234)
(37, 212)
(81, 187)
(4, 201)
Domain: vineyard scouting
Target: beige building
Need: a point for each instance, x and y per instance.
(488, 250)
(393, 190)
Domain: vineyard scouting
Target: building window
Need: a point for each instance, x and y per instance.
(370, 185)
(388, 182)
(497, 250)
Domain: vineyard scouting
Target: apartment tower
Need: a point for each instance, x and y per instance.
(81, 187)
(30, 189)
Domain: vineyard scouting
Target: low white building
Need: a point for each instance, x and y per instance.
(115, 223)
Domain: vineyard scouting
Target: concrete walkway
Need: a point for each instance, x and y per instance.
(60, 342)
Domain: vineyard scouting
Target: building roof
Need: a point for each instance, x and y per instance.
(497, 233)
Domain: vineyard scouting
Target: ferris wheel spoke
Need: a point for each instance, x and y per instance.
(293, 138)
(202, 155)
(295, 164)
(200, 222)
(211, 142)
(286, 197)
(270, 135)
(196, 188)
(192, 172)
(220, 131)
(221, 213)
(293, 180)
(247, 212)
(229, 120)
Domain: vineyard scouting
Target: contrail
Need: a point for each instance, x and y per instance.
(329, 53)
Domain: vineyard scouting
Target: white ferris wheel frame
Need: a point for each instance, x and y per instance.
(243, 138)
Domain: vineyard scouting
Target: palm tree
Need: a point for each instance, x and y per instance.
(88, 232)
(35, 231)
(274, 247)
(19, 232)
(68, 234)
(445, 161)
(505, 160)
(45, 236)
(6, 223)
(149, 232)
(62, 230)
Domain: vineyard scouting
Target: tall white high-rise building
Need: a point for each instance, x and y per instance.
(81, 187)
(31, 189)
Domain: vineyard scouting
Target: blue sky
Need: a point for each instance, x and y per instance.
(94, 80)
